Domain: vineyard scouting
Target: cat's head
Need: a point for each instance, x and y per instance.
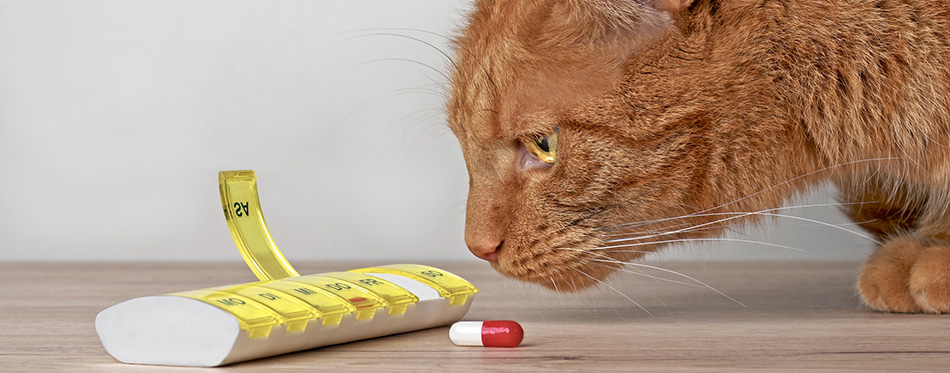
(580, 122)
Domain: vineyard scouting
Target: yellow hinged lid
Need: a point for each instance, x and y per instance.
(242, 210)
(331, 307)
(365, 301)
(254, 317)
(398, 298)
(447, 284)
(295, 312)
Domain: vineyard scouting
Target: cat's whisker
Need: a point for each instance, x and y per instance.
(443, 93)
(661, 269)
(682, 230)
(387, 95)
(744, 214)
(849, 224)
(678, 228)
(794, 179)
(573, 284)
(418, 117)
(390, 30)
(712, 239)
(739, 215)
(395, 59)
(433, 46)
(698, 214)
(818, 222)
(673, 226)
(425, 133)
(557, 291)
(374, 34)
(554, 283)
(451, 60)
(627, 236)
(421, 117)
(461, 48)
(642, 274)
(614, 289)
(608, 259)
(625, 251)
(826, 224)
(598, 211)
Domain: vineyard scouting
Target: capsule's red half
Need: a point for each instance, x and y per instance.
(492, 333)
(501, 333)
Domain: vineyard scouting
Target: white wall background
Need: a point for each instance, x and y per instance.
(115, 117)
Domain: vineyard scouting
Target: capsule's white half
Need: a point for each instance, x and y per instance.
(466, 333)
(172, 330)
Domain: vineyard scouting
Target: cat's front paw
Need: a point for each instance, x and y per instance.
(929, 281)
(905, 275)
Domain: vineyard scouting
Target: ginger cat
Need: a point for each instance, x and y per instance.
(595, 131)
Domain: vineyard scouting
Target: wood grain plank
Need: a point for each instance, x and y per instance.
(793, 316)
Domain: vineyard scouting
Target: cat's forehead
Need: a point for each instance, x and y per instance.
(520, 63)
(488, 64)
(486, 104)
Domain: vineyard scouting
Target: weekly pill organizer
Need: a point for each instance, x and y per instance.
(283, 312)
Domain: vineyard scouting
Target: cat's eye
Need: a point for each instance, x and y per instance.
(543, 147)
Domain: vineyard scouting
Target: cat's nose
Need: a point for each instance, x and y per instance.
(487, 250)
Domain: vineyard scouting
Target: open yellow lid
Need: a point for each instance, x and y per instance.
(242, 209)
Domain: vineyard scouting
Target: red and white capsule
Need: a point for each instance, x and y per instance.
(491, 333)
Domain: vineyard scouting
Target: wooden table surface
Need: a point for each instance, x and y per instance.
(795, 316)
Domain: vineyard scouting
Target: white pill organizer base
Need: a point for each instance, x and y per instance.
(173, 330)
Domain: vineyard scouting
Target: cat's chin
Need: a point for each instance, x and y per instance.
(562, 277)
